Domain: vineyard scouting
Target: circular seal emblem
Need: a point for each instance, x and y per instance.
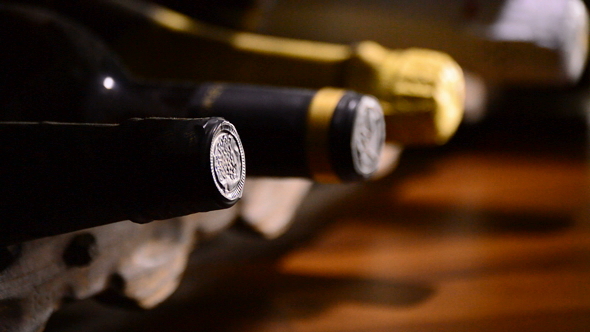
(368, 136)
(228, 162)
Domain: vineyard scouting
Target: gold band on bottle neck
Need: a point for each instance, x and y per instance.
(319, 117)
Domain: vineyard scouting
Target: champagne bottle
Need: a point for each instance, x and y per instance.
(54, 70)
(421, 91)
(60, 177)
(507, 42)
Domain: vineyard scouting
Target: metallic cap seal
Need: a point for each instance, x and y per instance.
(421, 91)
(228, 161)
(345, 135)
(368, 136)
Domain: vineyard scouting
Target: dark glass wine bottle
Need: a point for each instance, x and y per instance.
(60, 177)
(55, 70)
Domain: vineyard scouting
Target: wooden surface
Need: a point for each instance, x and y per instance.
(473, 237)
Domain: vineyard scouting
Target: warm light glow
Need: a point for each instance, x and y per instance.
(108, 83)
(171, 19)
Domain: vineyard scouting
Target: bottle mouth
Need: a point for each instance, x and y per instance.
(368, 136)
(228, 162)
(346, 133)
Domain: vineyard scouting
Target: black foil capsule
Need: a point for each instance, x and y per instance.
(60, 177)
(330, 135)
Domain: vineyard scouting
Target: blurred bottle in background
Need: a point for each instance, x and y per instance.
(509, 42)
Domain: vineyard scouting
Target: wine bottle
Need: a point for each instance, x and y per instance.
(421, 91)
(508, 42)
(54, 70)
(60, 177)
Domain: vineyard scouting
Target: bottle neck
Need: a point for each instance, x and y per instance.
(330, 135)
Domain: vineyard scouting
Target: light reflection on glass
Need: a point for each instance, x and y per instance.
(108, 83)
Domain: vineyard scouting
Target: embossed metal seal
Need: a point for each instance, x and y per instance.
(368, 136)
(228, 162)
